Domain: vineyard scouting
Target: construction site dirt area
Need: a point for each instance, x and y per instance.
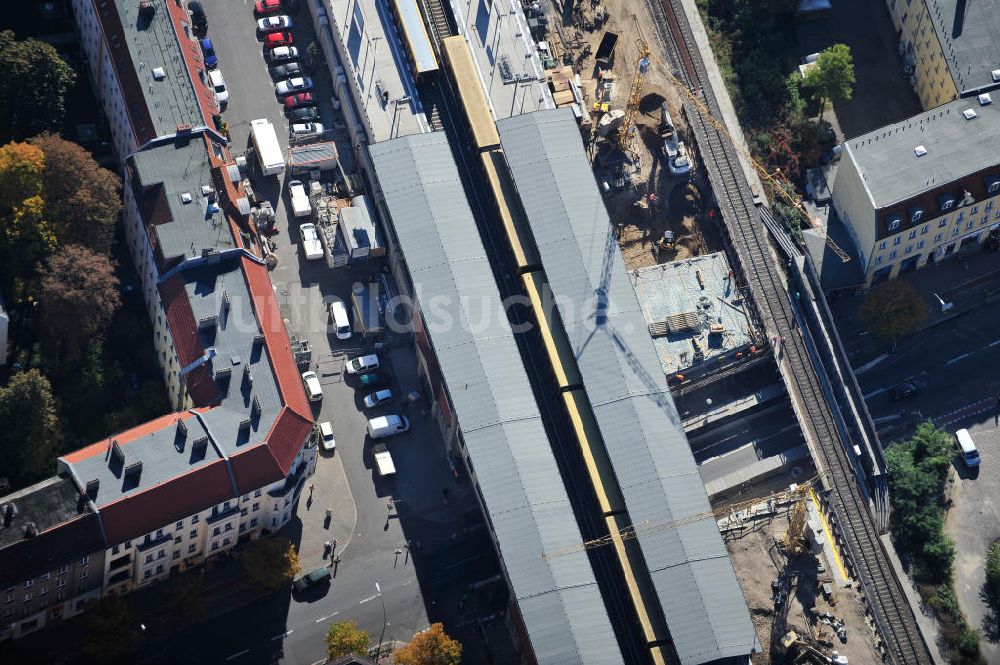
(645, 194)
(794, 593)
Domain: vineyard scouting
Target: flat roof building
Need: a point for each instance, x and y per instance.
(921, 189)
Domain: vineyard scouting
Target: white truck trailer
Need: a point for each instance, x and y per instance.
(265, 143)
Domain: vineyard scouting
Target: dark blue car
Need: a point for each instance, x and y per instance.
(211, 60)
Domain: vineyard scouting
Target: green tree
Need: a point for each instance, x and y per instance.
(185, 599)
(893, 311)
(29, 439)
(82, 199)
(993, 570)
(110, 632)
(270, 562)
(430, 647)
(344, 637)
(833, 76)
(79, 295)
(26, 236)
(34, 81)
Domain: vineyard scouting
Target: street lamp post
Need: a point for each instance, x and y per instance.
(378, 590)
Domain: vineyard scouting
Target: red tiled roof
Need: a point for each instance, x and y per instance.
(202, 388)
(180, 318)
(255, 467)
(137, 432)
(287, 435)
(183, 495)
(279, 347)
(193, 61)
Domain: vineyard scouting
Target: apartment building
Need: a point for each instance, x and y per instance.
(950, 48)
(51, 556)
(230, 463)
(920, 190)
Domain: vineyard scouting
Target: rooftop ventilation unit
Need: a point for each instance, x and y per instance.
(206, 190)
(186, 198)
(200, 444)
(969, 114)
(996, 75)
(985, 99)
(133, 470)
(159, 73)
(920, 151)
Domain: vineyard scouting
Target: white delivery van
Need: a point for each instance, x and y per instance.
(967, 448)
(341, 323)
(383, 460)
(386, 426)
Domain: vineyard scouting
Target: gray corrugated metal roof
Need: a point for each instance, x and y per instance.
(689, 566)
(524, 495)
(956, 147)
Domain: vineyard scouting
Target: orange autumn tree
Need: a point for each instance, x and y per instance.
(431, 647)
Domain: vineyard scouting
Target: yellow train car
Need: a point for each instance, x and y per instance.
(458, 60)
(419, 50)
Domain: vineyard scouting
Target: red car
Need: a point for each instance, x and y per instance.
(277, 39)
(267, 7)
(297, 100)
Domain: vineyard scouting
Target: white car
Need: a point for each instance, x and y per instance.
(283, 54)
(306, 129)
(326, 436)
(313, 389)
(310, 242)
(362, 364)
(273, 23)
(288, 86)
(219, 86)
(378, 398)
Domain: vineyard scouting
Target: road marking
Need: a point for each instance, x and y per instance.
(957, 358)
(993, 343)
(238, 654)
(406, 582)
(365, 600)
(329, 616)
(284, 634)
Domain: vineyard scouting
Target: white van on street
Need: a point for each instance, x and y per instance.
(314, 391)
(967, 448)
(386, 426)
(341, 322)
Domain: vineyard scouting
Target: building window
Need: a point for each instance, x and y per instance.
(62, 569)
(882, 245)
(909, 249)
(913, 234)
(216, 531)
(954, 231)
(920, 244)
(256, 507)
(83, 575)
(215, 546)
(191, 548)
(10, 596)
(149, 558)
(180, 525)
(924, 229)
(257, 494)
(243, 512)
(147, 574)
(60, 584)
(28, 583)
(194, 520)
(229, 526)
(971, 223)
(193, 534)
(161, 554)
(116, 549)
(975, 209)
(44, 577)
(60, 595)
(27, 597)
(253, 522)
(177, 555)
(177, 540)
(226, 541)
(246, 497)
(937, 238)
(897, 240)
(159, 569)
(892, 255)
(44, 590)
(943, 223)
(85, 560)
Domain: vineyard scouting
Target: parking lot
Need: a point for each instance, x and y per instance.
(974, 523)
(432, 532)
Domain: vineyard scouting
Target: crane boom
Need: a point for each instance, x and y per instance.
(626, 137)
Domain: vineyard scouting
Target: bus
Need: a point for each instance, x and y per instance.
(265, 143)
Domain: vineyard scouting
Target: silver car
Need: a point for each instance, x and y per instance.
(288, 86)
(378, 398)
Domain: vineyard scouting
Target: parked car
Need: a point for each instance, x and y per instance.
(967, 448)
(289, 86)
(313, 578)
(219, 86)
(313, 388)
(297, 100)
(386, 426)
(274, 23)
(904, 390)
(263, 7)
(273, 39)
(372, 381)
(281, 53)
(302, 129)
(340, 319)
(292, 69)
(208, 52)
(305, 113)
(327, 441)
(362, 364)
(198, 18)
(378, 398)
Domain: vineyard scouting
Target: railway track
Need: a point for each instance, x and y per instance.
(852, 517)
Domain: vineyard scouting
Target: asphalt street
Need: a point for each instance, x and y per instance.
(955, 365)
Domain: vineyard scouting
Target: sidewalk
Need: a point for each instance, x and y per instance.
(967, 285)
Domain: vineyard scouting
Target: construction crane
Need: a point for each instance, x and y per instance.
(626, 136)
(798, 494)
(782, 187)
